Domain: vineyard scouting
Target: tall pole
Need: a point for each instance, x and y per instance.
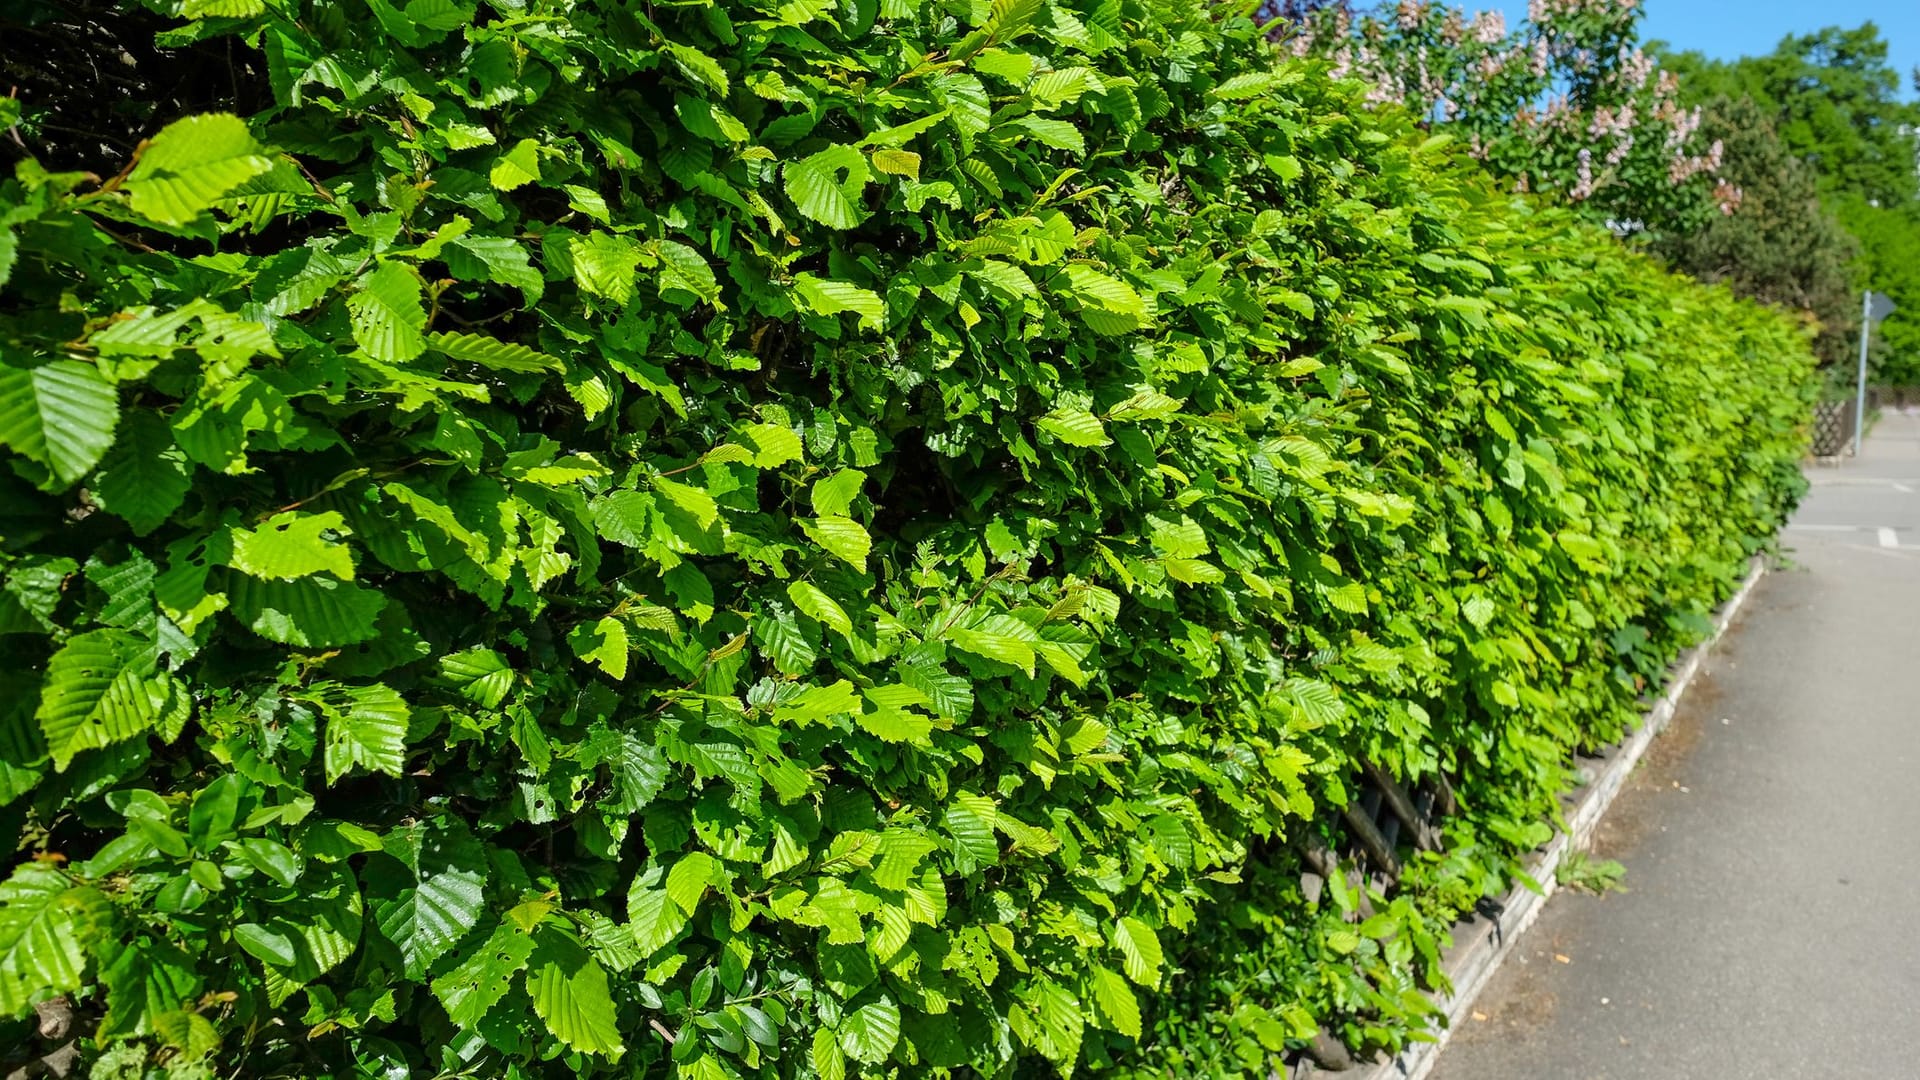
(1860, 400)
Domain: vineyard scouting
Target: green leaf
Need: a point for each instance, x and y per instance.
(494, 258)
(145, 477)
(779, 637)
(190, 165)
(867, 1034)
(638, 769)
(366, 727)
(1075, 427)
(818, 703)
(46, 923)
(60, 415)
(654, 918)
(570, 994)
(820, 191)
(493, 353)
(517, 167)
(1103, 291)
(312, 612)
(604, 265)
(698, 66)
(902, 134)
(774, 445)
(193, 1036)
(970, 820)
(1059, 134)
(834, 495)
(1193, 571)
(1318, 704)
(897, 162)
(1249, 84)
(693, 500)
(828, 1061)
(1116, 1001)
(812, 601)
(690, 878)
(999, 637)
(265, 944)
(826, 297)
(222, 9)
(292, 544)
(1139, 950)
(481, 675)
(388, 315)
(840, 536)
(894, 724)
(478, 983)
(94, 697)
(684, 270)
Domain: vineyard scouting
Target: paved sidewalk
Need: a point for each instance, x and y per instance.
(1771, 838)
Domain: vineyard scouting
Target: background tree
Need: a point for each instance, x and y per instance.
(1837, 108)
(1783, 246)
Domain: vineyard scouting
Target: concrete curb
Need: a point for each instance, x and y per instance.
(1482, 945)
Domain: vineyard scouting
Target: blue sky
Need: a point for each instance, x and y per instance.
(1725, 29)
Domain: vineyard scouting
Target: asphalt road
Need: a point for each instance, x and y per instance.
(1771, 927)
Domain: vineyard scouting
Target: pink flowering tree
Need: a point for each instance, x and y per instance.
(1565, 104)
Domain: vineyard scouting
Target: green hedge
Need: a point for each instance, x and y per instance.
(809, 539)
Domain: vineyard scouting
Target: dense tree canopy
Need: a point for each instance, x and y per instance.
(1837, 108)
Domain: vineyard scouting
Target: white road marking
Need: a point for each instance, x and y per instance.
(1902, 488)
(1887, 539)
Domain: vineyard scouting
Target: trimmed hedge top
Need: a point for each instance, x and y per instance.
(809, 539)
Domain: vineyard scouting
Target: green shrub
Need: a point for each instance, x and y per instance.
(809, 540)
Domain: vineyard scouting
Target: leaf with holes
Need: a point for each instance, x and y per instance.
(292, 544)
(477, 983)
(818, 189)
(388, 316)
(426, 892)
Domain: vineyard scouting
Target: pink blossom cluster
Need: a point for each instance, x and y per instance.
(1489, 28)
(1683, 167)
(1583, 186)
(1611, 123)
(1728, 196)
(1543, 11)
(1636, 69)
(1507, 88)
